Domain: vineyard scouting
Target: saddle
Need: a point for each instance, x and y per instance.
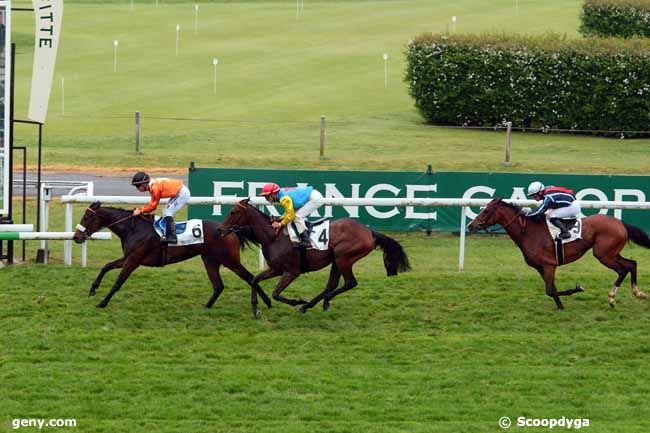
(188, 232)
(572, 227)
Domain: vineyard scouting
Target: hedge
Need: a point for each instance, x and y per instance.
(615, 18)
(547, 82)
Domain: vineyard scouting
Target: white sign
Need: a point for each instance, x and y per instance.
(48, 15)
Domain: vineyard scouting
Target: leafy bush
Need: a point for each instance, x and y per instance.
(616, 18)
(586, 84)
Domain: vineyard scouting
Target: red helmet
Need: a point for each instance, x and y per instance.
(270, 189)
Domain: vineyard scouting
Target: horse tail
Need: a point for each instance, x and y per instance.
(637, 235)
(395, 259)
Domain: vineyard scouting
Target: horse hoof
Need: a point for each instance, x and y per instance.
(91, 293)
(304, 301)
(303, 309)
(101, 305)
(326, 305)
(579, 289)
(257, 313)
(612, 302)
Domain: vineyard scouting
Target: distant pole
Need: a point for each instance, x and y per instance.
(517, 7)
(297, 9)
(322, 137)
(178, 36)
(508, 139)
(196, 19)
(62, 96)
(453, 24)
(137, 133)
(115, 44)
(215, 62)
(385, 70)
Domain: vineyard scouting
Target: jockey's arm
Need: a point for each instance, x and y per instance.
(542, 208)
(155, 199)
(289, 212)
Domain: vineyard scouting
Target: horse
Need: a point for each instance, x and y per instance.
(605, 235)
(142, 246)
(349, 241)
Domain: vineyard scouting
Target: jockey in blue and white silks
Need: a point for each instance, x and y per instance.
(558, 203)
(297, 202)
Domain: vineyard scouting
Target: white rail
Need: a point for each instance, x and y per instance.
(463, 203)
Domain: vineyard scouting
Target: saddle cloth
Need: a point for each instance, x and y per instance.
(575, 232)
(188, 232)
(319, 235)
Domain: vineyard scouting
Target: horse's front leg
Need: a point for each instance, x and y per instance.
(128, 267)
(548, 274)
(107, 267)
(243, 273)
(286, 279)
(332, 284)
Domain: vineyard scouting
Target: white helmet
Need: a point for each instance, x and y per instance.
(535, 187)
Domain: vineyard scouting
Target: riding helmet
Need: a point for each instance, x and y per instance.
(139, 178)
(270, 188)
(535, 187)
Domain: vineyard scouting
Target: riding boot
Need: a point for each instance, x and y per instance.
(170, 231)
(304, 240)
(564, 233)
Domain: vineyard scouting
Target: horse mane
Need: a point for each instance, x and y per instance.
(538, 218)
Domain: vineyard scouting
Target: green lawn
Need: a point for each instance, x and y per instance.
(276, 76)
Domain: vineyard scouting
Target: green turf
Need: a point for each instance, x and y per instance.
(276, 76)
(433, 350)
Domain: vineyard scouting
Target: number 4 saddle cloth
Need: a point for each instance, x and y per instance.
(319, 233)
(188, 232)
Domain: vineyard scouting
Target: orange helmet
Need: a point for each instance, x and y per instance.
(270, 189)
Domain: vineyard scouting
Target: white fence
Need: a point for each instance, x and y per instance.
(465, 204)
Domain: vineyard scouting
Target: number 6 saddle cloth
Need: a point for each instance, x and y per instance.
(188, 232)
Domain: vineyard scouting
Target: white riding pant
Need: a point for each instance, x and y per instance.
(571, 211)
(176, 203)
(312, 204)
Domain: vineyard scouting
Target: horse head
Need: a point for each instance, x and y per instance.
(91, 221)
(487, 217)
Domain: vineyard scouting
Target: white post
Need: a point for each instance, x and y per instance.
(196, 19)
(115, 44)
(453, 24)
(516, 7)
(44, 222)
(62, 96)
(178, 32)
(215, 62)
(385, 70)
(67, 245)
(84, 254)
(461, 255)
(261, 263)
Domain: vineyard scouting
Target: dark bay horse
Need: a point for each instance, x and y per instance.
(349, 241)
(142, 246)
(604, 234)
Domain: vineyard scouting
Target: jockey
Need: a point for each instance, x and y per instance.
(559, 204)
(163, 187)
(298, 203)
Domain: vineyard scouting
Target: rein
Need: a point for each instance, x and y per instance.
(92, 211)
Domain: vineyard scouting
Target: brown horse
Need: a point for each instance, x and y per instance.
(605, 235)
(349, 241)
(142, 246)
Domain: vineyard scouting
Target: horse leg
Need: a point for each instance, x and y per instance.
(332, 283)
(286, 279)
(622, 267)
(107, 267)
(635, 289)
(128, 267)
(350, 282)
(212, 268)
(548, 274)
(243, 273)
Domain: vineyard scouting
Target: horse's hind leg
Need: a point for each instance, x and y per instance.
(635, 289)
(107, 267)
(332, 283)
(350, 282)
(212, 268)
(622, 267)
(285, 280)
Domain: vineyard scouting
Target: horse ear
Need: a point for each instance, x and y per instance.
(95, 205)
(246, 200)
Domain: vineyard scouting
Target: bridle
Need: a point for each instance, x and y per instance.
(522, 222)
(88, 234)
